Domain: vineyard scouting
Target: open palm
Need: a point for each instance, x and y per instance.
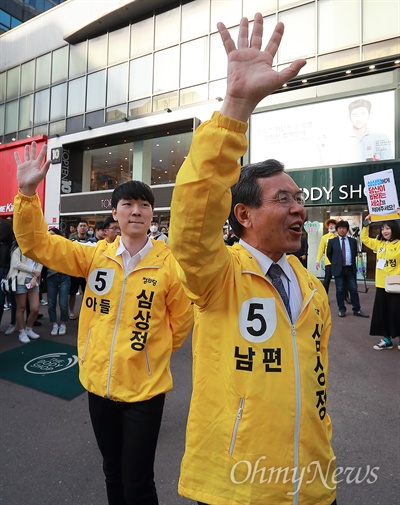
(30, 173)
(250, 74)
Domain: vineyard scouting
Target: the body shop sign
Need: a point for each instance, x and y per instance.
(8, 173)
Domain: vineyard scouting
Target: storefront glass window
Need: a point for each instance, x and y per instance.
(154, 161)
(117, 113)
(194, 62)
(142, 37)
(97, 55)
(118, 46)
(117, 84)
(12, 83)
(43, 65)
(42, 106)
(140, 77)
(166, 70)
(11, 117)
(332, 14)
(58, 101)
(303, 41)
(77, 59)
(96, 90)
(140, 107)
(27, 77)
(195, 19)
(26, 112)
(2, 86)
(165, 101)
(193, 95)
(1, 119)
(76, 96)
(59, 69)
(167, 29)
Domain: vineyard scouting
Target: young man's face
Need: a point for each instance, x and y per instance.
(82, 229)
(134, 217)
(359, 117)
(332, 228)
(273, 228)
(100, 234)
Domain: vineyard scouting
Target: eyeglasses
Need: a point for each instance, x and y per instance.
(286, 199)
(113, 228)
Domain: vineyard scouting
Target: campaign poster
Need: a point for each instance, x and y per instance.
(380, 189)
(355, 129)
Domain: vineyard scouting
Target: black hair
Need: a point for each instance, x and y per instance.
(248, 190)
(132, 190)
(99, 225)
(109, 220)
(393, 225)
(343, 224)
(6, 231)
(55, 230)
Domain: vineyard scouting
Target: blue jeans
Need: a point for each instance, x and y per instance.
(347, 276)
(58, 284)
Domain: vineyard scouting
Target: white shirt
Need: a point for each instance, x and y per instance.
(130, 262)
(288, 277)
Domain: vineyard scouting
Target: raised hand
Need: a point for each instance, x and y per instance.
(30, 173)
(250, 74)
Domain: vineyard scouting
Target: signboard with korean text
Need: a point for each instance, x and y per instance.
(380, 189)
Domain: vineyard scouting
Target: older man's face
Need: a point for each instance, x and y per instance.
(273, 228)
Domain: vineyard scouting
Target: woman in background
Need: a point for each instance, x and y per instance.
(28, 274)
(386, 312)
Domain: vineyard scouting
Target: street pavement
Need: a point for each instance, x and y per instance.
(48, 454)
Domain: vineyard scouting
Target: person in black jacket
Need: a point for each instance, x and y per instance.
(342, 253)
(6, 240)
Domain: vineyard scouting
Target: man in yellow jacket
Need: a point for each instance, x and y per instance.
(331, 225)
(258, 431)
(134, 315)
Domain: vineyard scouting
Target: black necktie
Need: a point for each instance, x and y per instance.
(275, 273)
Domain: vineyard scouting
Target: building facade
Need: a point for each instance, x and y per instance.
(118, 87)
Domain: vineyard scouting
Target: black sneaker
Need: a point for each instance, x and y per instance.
(383, 345)
(342, 313)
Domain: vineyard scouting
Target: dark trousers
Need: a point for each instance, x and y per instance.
(327, 278)
(347, 278)
(127, 434)
(200, 503)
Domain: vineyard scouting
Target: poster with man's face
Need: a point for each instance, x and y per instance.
(348, 130)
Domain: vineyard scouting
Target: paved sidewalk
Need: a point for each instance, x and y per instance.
(48, 455)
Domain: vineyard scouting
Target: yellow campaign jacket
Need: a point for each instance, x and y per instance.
(323, 246)
(388, 251)
(129, 324)
(258, 429)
